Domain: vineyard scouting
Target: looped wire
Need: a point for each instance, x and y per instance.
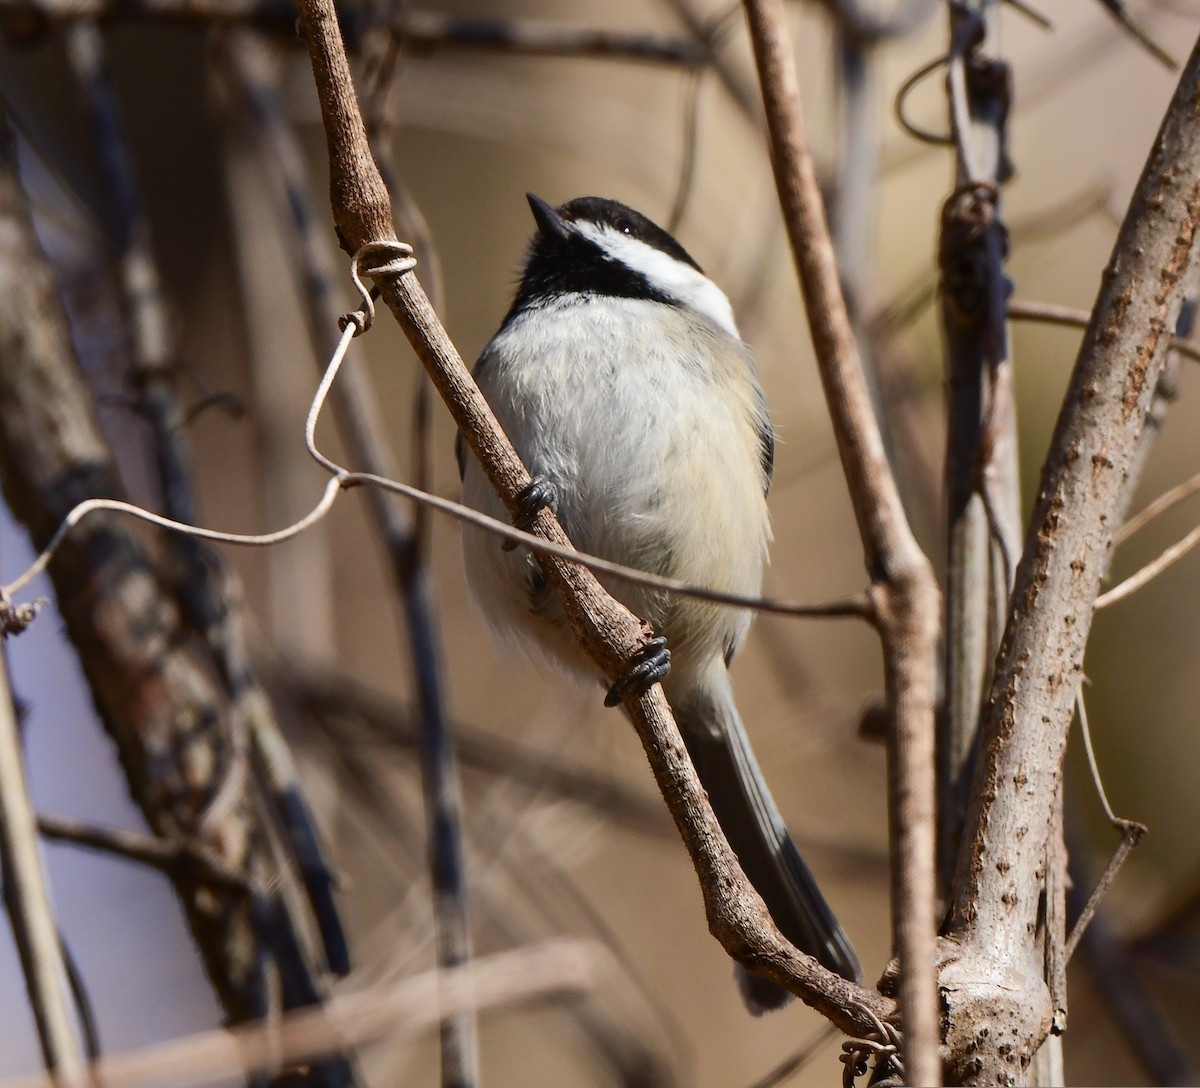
(900, 104)
(397, 258)
(882, 1045)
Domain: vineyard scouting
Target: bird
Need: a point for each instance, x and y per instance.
(621, 379)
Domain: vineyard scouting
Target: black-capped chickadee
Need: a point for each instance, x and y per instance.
(620, 378)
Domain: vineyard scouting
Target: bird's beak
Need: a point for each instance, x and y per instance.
(552, 225)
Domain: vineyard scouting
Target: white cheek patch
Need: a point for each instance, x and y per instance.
(675, 279)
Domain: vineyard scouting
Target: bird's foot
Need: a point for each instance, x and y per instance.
(535, 496)
(652, 663)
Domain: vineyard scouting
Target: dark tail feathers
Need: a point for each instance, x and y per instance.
(751, 821)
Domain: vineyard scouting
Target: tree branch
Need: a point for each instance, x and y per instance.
(904, 586)
(994, 989)
(610, 634)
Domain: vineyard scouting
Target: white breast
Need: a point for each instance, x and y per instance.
(646, 417)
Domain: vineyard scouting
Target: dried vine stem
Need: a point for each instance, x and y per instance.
(27, 901)
(607, 630)
(998, 1006)
(903, 587)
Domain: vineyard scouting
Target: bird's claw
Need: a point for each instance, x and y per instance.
(534, 497)
(652, 663)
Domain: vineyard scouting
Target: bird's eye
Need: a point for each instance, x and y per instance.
(624, 226)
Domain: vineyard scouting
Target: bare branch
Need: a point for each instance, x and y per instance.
(169, 857)
(557, 969)
(1050, 313)
(1079, 507)
(609, 633)
(904, 587)
(1150, 571)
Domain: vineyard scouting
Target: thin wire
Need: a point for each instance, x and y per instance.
(1131, 835)
(353, 324)
(1086, 730)
(251, 540)
(350, 329)
(899, 104)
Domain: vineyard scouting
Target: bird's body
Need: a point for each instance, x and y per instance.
(616, 505)
(621, 380)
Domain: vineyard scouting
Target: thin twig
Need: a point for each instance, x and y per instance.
(858, 606)
(790, 1066)
(687, 158)
(28, 903)
(904, 584)
(85, 1007)
(1049, 313)
(1119, 11)
(1131, 835)
(1150, 571)
(1166, 501)
(162, 854)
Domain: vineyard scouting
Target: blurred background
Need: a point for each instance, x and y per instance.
(563, 830)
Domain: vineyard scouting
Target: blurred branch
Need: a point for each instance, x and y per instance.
(1081, 502)
(204, 588)
(981, 482)
(338, 703)
(421, 30)
(26, 898)
(1158, 1048)
(609, 633)
(785, 1069)
(864, 27)
(173, 858)
(703, 28)
(518, 890)
(902, 580)
(152, 686)
(552, 970)
(1107, 957)
(361, 429)
(1120, 11)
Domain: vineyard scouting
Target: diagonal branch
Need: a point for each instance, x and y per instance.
(610, 634)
